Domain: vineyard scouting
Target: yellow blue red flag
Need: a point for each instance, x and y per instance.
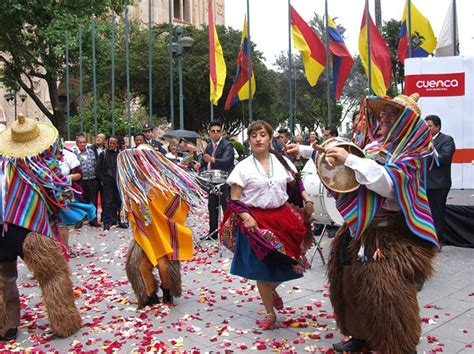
(422, 37)
(342, 60)
(240, 89)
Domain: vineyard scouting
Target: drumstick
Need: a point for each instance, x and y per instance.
(322, 150)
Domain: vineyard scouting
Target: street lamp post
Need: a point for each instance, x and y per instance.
(11, 98)
(178, 49)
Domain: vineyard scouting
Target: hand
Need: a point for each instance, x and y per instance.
(293, 149)
(338, 153)
(250, 223)
(308, 210)
(197, 166)
(207, 157)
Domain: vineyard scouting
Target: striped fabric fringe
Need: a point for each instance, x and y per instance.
(139, 171)
(405, 152)
(35, 191)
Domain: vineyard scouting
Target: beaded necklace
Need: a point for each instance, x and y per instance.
(270, 175)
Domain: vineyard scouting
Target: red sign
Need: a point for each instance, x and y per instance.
(435, 85)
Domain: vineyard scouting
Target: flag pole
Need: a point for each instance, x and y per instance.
(409, 28)
(150, 65)
(249, 69)
(210, 9)
(328, 73)
(369, 58)
(290, 75)
(170, 58)
(455, 26)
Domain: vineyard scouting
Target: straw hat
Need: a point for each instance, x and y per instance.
(377, 104)
(26, 137)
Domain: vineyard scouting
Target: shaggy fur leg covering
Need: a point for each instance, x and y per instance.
(174, 270)
(46, 260)
(335, 271)
(139, 273)
(9, 297)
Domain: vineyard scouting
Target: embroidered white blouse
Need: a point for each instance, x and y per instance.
(260, 190)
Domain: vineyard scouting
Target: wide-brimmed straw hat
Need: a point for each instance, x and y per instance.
(26, 137)
(377, 103)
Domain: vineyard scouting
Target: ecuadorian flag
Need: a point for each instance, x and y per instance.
(342, 60)
(313, 52)
(240, 89)
(422, 37)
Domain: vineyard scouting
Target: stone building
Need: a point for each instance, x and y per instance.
(185, 12)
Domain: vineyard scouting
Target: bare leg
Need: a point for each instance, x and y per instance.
(266, 293)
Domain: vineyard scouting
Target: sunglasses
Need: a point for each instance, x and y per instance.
(215, 130)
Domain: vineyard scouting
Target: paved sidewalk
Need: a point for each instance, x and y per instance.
(218, 311)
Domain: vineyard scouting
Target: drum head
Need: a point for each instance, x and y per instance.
(214, 176)
(338, 177)
(325, 211)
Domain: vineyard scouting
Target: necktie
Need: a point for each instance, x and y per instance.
(214, 148)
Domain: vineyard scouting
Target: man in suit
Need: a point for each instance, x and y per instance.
(218, 155)
(439, 177)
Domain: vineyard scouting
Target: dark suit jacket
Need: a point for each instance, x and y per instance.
(439, 177)
(224, 156)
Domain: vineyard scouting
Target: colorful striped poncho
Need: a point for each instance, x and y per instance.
(404, 151)
(35, 190)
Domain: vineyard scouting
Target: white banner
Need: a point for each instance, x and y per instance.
(446, 88)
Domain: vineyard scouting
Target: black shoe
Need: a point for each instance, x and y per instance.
(167, 298)
(152, 300)
(10, 334)
(95, 223)
(78, 225)
(352, 345)
(419, 285)
(106, 226)
(123, 225)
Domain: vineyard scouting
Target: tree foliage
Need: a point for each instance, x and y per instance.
(32, 36)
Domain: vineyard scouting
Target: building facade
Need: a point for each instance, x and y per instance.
(184, 12)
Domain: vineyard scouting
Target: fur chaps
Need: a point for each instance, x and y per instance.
(46, 260)
(383, 298)
(137, 268)
(140, 274)
(3, 310)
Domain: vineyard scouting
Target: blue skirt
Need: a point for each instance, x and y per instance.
(77, 212)
(247, 265)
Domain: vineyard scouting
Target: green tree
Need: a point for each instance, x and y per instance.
(32, 41)
(391, 34)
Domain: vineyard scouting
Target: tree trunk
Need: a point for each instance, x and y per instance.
(378, 15)
(58, 118)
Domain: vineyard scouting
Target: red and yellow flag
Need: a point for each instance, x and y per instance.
(381, 64)
(313, 52)
(217, 68)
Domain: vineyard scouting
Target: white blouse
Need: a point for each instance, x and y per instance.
(260, 190)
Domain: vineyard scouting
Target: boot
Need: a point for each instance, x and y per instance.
(351, 346)
(152, 300)
(9, 301)
(167, 298)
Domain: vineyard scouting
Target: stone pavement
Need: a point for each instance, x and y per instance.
(218, 311)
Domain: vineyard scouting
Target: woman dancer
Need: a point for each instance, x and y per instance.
(269, 234)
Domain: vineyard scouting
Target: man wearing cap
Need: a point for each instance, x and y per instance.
(30, 199)
(388, 242)
(150, 139)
